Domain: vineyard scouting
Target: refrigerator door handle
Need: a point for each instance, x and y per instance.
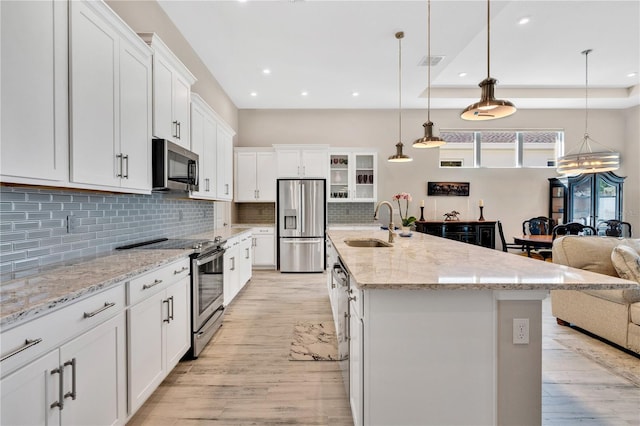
(303, 213)
(299, 241)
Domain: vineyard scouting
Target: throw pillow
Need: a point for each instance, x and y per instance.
(627, 262)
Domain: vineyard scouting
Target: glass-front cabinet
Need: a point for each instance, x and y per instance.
(352, 176)
(588, 198)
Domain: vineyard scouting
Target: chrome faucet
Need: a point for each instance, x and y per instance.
(391, 227)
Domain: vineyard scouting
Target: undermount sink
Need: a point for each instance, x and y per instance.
(367, 242)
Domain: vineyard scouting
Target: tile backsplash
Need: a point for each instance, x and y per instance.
(356, 213)
(43, 226)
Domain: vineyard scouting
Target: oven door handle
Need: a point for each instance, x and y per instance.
(207, 259)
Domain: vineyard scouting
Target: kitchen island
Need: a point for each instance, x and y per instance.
(432, 330)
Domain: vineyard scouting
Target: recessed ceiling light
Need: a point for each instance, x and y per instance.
(266, 71)
(254, 94)
(462, 74)
(304, 93)
(524, 20)
(355, 94)
(632, 74)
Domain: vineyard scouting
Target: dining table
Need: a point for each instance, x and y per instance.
(535, 242)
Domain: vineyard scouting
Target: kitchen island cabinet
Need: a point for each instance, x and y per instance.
(436, 330)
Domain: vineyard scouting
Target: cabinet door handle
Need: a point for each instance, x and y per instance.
(60, 402)
(71, 394)
(171, 311)
(345, 328)
(119, 173)
(179, 130)
(153, 284)
(253, 242)
(27, 344)
(174, 125)
(352, 298)
(168, 319)
(247, 255)
(304, 170)
(106, 306)
(184, 268)
(258, 191)
(233, 263)
(226, 189)
(126, 158)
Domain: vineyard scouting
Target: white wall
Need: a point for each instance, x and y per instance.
(510, 195)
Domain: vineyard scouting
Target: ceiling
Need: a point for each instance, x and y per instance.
(331, 49)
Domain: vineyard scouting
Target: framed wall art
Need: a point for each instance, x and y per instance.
(455, 189)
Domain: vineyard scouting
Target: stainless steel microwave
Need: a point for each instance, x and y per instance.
(173, 167)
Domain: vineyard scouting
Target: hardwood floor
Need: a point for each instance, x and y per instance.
(244, 376)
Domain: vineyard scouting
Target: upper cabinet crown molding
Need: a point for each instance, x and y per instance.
(156, 43)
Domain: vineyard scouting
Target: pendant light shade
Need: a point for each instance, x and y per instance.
(429, 140)
(488, 108)
(399, 156)
(586, 160)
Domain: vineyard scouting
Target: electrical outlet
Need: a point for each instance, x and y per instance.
(521, 331)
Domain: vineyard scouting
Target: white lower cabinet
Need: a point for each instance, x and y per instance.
(245, 272)
(263, 247)
(80, 382)
(237, 265)
(159, 329)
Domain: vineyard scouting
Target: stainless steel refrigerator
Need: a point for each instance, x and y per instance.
(302, 212)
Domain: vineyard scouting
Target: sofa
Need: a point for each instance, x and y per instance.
(613, 315)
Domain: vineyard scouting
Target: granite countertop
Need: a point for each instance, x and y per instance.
(52, 286)
(428, 262)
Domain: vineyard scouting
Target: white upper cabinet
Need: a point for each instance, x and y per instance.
(255, 175)
(224, 163)
(203, 143)
(352, 176)
(110, 101)
(172, 83)
(302, 161)
(34, 113)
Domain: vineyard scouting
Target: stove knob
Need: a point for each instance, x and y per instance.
(217, 239)
(197, 246)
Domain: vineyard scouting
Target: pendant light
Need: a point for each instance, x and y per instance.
(488, 108)
(399, 157)
(429, 140)
(587, 161)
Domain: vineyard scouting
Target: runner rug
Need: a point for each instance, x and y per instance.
(314, 342)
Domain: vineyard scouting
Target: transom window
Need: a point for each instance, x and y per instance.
(500, 148)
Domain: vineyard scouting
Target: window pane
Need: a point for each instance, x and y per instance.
(498, 149)
(539, 148)
(458, 151)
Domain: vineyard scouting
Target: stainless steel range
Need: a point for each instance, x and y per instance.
(207, 270)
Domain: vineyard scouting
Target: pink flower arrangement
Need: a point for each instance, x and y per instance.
(406, 219)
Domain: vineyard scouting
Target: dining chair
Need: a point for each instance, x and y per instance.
(540, 225)
(614, 228)
(573, 228)
(506, 246)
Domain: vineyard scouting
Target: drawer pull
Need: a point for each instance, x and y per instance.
(184, 268)
(153, 284)
(106, 306)
(27, 344)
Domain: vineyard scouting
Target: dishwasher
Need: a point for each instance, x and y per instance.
(340, 279)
